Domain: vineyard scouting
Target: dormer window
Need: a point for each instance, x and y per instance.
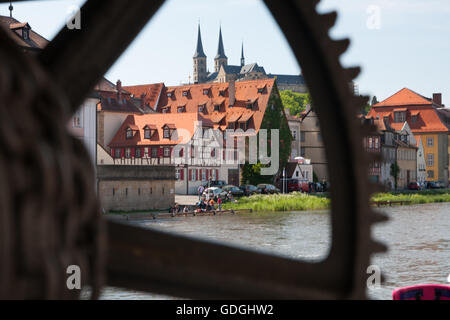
(169, 94)
(25, 33)
(181, 109)
(166, 133)
(201, 107)
(261, 88)
(250, 106)
(147, 133)
(400, 116)
(165, 109)
(222, 93)
(217, 107)
(129, 133)
(185, 93)
(205, 92)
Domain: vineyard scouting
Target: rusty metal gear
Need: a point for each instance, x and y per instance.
(49, 217)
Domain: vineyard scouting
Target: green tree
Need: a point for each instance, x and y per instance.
(295, 102)
(274, 118)
(374, 100)
(395, 170)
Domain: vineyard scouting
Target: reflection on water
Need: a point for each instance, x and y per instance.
(417, 236)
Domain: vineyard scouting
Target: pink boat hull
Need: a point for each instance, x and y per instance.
(423, 292)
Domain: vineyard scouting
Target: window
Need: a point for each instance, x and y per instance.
(203, 174)
(370, 143)
(217, 107)
(147, 133)
(250, 106)
(206, 91)
(117, 153)
(430, 141)
(260, 90)
(430, 159)
(192, 174)
(243, 125)
(127, 153)
(202, 108)
(25, 33)
(399, 116)
(302, 136)
(77, 121)
(177, 174)
(129, 133)
(294, 134)
(181, 109)
(138, 153)
(222, 93)
(430, 174)
(413, 119)
(185, 93)
(302, 152)
(166, 152)
(166, 132)
(154, 152)
(377, 142)
(169, 94)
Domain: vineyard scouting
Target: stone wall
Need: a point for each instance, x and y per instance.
(129, 188)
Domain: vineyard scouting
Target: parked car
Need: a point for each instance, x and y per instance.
(297, 185)
(249, 189)
(235, 191)
(268, 188)
(215, 183)
(215, 193)
(434, 185)
(413, 186)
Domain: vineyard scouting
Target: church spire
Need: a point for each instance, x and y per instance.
(220, 49)
(242, 55)
(199, 50)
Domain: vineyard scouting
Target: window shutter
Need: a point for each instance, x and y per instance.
(207, 174)
(122, 152)
(133, 152)
(171, 150)
(190, 174)
(160, 151)
(196, 174)
(181, 174)
(112, 153)
(217, 174)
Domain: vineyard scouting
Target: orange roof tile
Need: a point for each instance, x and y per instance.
(184, 121)
(149, 92)
(404, 97)
(245, 92)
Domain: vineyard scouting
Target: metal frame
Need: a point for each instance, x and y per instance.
(165, 263)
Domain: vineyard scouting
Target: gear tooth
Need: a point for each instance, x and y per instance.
(329, 19)
(341, 45)
(378, 217)
(378, 247)
(353, 72)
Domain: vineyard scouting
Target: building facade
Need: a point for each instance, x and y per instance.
(427, 120)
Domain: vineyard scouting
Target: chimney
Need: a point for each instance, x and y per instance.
(437, 98)
(143, 95)
(119, 90)
(231, 93)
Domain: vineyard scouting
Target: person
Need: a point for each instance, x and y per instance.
(185, 209)
(219, 203)
(200, 191)
(230, 196)
(207, 196)
(211, 204)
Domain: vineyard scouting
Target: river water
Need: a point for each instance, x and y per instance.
(417, 236)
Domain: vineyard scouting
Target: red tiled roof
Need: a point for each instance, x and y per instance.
(245, 116)
(404, 97)
(109, 101)
(13, 26)
(245, 91)
(150, 93)
(184, 121)
(427, 120)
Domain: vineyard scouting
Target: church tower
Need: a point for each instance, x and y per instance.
(221, 58)
(200, 72)
(242, 55)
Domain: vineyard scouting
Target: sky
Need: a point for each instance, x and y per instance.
(398, 43)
